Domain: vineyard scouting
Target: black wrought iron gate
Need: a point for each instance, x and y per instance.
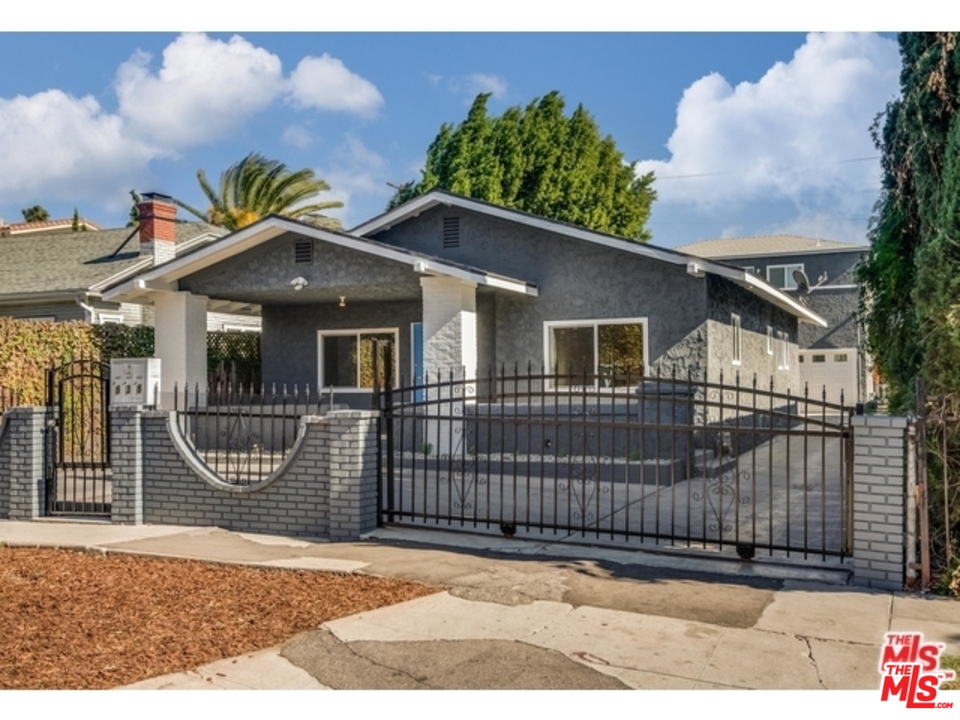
(620, 459)
(77, 439)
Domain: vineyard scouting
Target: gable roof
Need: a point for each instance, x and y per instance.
(33, 266)
(695, 264)
(274, 226)
(767, 245)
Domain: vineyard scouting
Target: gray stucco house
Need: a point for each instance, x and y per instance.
(461, 286)
(831, 358)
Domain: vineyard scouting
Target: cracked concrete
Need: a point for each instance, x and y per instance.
(813, 660)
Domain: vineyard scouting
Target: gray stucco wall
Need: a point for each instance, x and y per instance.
(756, 315)
(833, 302)
(263, 275)
(839, 308)
(290, 352)
(576, 279)
(839, 266)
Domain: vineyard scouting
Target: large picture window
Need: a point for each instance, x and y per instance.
(347, 357)
(605, 353)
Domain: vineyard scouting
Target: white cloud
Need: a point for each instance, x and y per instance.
(204, 89)
(484, 83)
(356, 173)
(790, 136)
(473, 84)
(298, 136)
(325, 83)
(55, 145)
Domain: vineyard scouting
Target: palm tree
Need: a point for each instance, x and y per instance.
(256, 187)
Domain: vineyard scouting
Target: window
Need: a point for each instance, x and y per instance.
(781, 276)
(801, 358)
(770, 342)
(818, 358)
(783, 351)
(612, 352)
(840, 357)
(347, 357)
(737, 339)
(110, 318)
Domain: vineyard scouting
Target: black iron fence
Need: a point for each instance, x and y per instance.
(243, 432)
(613, 456)
(77, 443)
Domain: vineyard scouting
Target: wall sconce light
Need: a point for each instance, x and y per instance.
(299, 283)
(343, 301)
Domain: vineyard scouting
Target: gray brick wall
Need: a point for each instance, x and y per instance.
(879, 509)
(351, 438)
(126, 460)
(329, 487)
(22, 445)
(5, 442)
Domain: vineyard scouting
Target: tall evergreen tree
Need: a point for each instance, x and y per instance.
(910, 280)
(538, 160)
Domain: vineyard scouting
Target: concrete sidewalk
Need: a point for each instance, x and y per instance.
(521, 615)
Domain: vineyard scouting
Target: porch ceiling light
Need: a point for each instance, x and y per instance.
(343, 301)
(299, 283)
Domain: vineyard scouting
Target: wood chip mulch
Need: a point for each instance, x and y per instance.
(77, 620)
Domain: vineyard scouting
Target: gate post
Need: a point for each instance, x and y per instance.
(879, 517)
(126, 456)
(25, 434)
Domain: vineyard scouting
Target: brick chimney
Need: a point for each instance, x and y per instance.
(158, 232)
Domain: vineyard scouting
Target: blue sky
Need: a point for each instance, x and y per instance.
(748, 133)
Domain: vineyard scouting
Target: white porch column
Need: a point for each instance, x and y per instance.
(449, 327)
(449, 350)
(180, 324)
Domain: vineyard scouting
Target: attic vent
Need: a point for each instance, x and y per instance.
(303, 251)
(451, 232)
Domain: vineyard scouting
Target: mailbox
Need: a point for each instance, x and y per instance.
(134, 381)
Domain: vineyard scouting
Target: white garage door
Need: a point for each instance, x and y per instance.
(830, 370)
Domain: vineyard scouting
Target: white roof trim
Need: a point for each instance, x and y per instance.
(170, 272)
(741, 277)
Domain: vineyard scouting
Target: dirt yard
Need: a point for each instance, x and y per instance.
(76, 620)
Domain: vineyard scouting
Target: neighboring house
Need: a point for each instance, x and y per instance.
(46, 227)
(60, 276)
(831, 358)
(462, 286)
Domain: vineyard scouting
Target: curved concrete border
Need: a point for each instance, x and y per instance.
(213, 479)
